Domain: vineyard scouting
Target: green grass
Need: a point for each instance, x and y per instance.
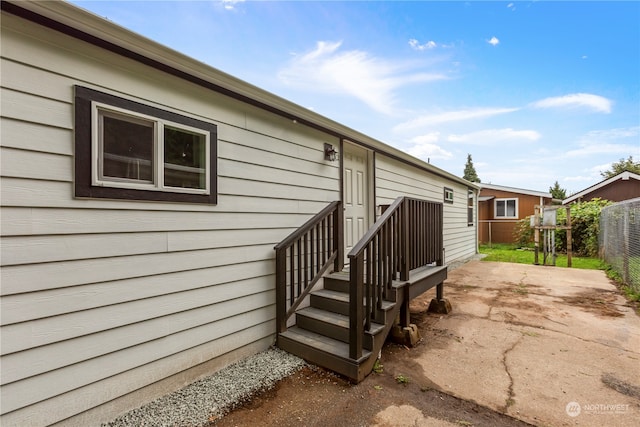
(509, 253)
(631, 292)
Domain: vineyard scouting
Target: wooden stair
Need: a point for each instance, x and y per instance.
(321, 334)
(405, 242)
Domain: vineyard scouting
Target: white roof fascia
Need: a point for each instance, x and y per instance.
(516, 190)
(625, 176)
(486, 198)
(94, 25)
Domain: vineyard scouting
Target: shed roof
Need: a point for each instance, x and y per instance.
(624, 176)
(82, 24)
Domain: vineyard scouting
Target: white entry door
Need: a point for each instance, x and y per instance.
(356, 195)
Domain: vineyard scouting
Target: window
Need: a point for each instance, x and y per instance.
(506, 208)
(470, 204)
(127, 150)
(448, 195)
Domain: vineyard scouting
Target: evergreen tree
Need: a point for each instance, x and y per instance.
(558, 192)
(470, 173)
(622, 166)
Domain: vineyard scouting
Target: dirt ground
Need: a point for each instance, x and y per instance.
(524, 345)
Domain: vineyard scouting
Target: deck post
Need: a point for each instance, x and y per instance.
(405, 255)
(281, 291)
(405, 314)
(338, 238)
(356, 327)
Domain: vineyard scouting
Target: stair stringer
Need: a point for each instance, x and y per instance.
(366, 366)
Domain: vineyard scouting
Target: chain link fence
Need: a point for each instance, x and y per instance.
(619, 240)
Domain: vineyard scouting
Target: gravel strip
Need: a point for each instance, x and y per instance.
(212, 397)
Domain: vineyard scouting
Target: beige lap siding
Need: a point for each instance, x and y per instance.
(103, 298)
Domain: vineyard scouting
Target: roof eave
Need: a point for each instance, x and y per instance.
(91, 24)
(516, 190)
(626, 175)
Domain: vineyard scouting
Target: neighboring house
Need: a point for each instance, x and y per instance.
(500, 208)
(624, 186)
(143, 193)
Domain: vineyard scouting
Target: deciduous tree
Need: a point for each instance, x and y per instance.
(621, 166)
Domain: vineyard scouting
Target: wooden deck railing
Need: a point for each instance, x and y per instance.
(304, 256)
(407, 235)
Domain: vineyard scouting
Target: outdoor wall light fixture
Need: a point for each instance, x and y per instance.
(330, 152)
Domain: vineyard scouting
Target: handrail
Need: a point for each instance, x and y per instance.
(407, 235)
(307, 225)
(304, 256)
(375, 227)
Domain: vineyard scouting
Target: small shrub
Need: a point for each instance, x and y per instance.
(523, 233)
(401, 379)
(585, 228)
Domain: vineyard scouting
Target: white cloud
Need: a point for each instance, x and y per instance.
(586, 100)
(415, 44)
(492, 136)
(426, 138)
(511, 6)
(493, 41)
(427, 152)
(599, 168)
(578, 178)
(452, 116)
(230, 4)
(425, 147)
(598, 149)
(592, 175)
(370, 79)
(613, 134)
(608, 142)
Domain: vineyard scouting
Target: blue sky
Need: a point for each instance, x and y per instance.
(535, 91)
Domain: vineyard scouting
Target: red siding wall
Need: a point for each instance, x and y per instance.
(617, 191)
(495, 230)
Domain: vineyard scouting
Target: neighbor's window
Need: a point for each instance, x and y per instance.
(506, 208)
(129, 150)
(448, 195)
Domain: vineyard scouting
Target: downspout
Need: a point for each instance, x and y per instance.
(475, 205)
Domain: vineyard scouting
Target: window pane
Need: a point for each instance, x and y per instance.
(500, 208)
(184, 159)
(127, 148)
(511, 208)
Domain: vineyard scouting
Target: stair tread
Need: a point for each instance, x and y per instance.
(327, 293)
(425, 271)
(320, 342)
(344, 297)
(340, 275)
(334, 318)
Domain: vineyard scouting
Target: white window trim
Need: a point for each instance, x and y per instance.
(158, 153)
(495, 208)
(448, 191)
